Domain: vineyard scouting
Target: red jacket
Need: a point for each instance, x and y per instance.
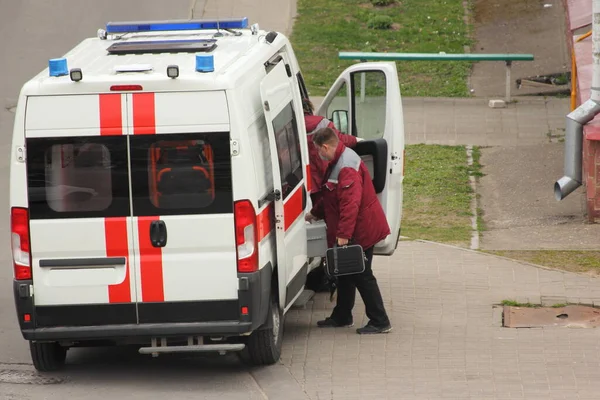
(318, 165)
(349, 203)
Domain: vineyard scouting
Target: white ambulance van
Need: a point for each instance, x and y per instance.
(158, 186)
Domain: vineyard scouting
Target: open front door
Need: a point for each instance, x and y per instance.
(365, 102)
(288, 177)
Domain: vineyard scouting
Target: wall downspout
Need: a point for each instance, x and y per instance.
(575, 121)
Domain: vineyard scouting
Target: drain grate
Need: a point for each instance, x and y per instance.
(540, 317)
(27, 378)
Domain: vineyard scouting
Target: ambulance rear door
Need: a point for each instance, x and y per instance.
(79, 210)
(182, 204)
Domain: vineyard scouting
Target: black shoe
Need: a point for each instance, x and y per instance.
(371, 329)
(331, 323)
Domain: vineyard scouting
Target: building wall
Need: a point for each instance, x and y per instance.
(591, 170)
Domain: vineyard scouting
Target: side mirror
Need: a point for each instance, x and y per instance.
(340, 120)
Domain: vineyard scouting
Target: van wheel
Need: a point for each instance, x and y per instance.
(47, 356)
(264, 345)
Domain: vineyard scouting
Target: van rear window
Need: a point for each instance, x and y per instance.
(181, 174)
(86, 177)
(77, 177)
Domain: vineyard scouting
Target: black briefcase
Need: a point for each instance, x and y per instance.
(344, 260)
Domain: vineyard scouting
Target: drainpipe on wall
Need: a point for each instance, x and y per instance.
(578, 118)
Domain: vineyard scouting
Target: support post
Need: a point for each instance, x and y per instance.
(508, 65)
(363, 84)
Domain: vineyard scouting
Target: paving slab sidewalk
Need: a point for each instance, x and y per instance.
(448, 342)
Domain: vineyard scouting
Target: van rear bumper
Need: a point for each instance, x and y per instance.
(141, 320)
(135, 330)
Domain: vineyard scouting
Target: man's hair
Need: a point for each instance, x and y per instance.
(325, 136)
(307, 106)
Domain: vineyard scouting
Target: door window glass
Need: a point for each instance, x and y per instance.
(77, 177)
(338, 111)
(288, 149)
(181, 174)
(369, 99)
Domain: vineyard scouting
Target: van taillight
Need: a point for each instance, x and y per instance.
(246, 236)
(19, 228)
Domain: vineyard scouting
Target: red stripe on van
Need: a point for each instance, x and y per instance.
(292, 208)
(151, 268)
(115, 234)
(111, 118)
(264, 222)
(144, 117)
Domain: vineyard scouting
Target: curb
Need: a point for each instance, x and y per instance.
(507, 259)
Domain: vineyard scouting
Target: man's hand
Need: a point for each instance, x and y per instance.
(310, 218)
(342, 242)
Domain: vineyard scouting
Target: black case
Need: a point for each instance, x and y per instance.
(344, 260)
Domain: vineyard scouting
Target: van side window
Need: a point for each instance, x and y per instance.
(181, 174)
(285, 127)
(77, 177)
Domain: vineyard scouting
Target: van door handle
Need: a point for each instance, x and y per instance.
(274, 195)
(158, 233)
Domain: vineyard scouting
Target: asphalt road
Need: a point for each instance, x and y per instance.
(31, 32)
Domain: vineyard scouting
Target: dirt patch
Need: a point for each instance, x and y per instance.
(520, 211)
(518, 26)
(500, 11)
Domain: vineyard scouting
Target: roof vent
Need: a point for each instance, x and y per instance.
(163, 46)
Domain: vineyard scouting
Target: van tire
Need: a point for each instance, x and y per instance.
(47, 357)
(263, 346)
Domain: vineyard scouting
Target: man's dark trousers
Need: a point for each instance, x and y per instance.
(369, 292)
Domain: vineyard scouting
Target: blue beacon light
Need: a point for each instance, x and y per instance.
(177, 25)
(205, 63)
(58, 67)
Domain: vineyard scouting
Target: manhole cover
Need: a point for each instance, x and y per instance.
(539, 317)
(27, 377)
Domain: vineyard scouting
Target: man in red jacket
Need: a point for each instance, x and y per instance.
(316, 279)
(351, 211)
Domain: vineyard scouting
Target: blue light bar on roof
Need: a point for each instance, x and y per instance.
(175, 25)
